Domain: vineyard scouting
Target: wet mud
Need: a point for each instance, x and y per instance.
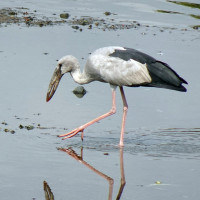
(24, 16)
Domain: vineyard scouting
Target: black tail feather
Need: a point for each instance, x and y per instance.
(163, 76)
(180, 88)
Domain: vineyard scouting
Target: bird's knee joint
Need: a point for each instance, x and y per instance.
(125, 108)
(113, 110)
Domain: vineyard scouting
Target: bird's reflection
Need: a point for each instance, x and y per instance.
(79, 158)
(47, 191)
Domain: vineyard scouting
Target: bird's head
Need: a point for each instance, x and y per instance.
(64, 65)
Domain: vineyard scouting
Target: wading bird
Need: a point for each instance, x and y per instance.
(117, 66)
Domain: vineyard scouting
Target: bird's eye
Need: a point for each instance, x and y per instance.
(60, 65)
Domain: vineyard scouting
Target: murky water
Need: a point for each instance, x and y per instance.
(162, 140)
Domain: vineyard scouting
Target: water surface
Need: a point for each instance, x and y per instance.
(162, 132)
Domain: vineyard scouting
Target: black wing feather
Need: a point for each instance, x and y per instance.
(163, 76)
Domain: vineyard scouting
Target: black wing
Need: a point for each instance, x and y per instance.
(163, 76)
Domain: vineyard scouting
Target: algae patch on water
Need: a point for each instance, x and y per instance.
(188, 4)
(168, 12)
(195, 16)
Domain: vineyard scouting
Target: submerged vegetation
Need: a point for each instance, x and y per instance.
(182, 3)
(174, 12)
(188, 4)
(195, 16)
(168, 12)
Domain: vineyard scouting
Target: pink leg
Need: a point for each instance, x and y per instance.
(125, 110)
(81, 128)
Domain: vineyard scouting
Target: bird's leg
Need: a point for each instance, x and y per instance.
(81, 128)
(125, 110)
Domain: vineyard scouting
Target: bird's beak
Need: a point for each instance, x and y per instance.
(53, 83)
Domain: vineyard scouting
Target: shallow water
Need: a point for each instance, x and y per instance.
(162, 140)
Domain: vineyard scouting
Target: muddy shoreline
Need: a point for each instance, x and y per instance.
(24, 16)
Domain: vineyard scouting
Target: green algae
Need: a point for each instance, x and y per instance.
(188, 4)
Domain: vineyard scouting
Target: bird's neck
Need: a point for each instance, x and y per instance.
(78, 76)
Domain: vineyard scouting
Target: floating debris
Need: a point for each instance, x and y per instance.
(12, 13)
(157, 182)
(107, 13)
(6, 130)
(196, 27)
(21, 126)
(12, 131)
(83, 21)
(64, 15)
(9, 130)
(29, 127)
(75, 27)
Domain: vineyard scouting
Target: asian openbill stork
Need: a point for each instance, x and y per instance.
(117, 66)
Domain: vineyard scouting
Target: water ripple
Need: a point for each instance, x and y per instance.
(168, 142)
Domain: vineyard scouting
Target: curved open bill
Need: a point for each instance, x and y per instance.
(53, 83)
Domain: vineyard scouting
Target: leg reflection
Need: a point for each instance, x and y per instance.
(47, 191)
(79, 158)
(123, 181)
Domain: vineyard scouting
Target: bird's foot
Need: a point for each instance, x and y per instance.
(73, 133)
